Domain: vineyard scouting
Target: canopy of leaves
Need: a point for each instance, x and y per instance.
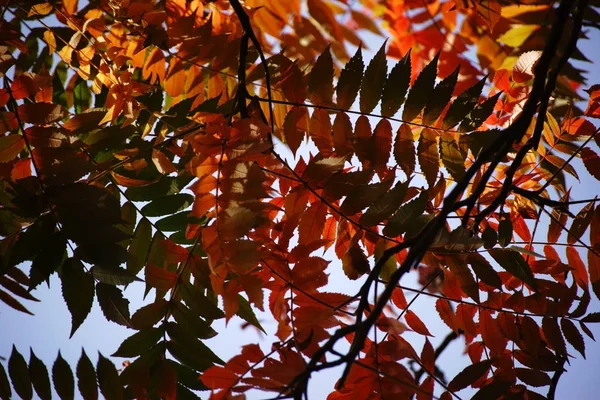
(141, 144)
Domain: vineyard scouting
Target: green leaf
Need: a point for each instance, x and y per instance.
(168, 205)
(440, 97)
(385, 206)
(199, 303)
(193, 360)
(421, 91)
(113, 305)
(86, 378)
(150, 314)
(172, 223)
(82, 96)
(140, 244)
(372, 84)
(188, 377)
(77, 290)
(401, 220)
(63, 380)
(463, 105)
(452, 158)
(396, 86)
(108, 378)
(191, 343)
(480, 113)
(189, 320)
(139, 342)
(39, 376)
(349, 82)
(113, 275)
(246, 313)
(320, 80)
(5, 390)
(19, 374)
(514, 263)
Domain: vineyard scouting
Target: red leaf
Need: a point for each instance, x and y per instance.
(416, 324)
(591, 162)
(490, 332)
(160, 278)
(576, 263)
(312, 223)
(10, 147)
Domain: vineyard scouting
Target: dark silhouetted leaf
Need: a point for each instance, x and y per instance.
(514, 263)
(402, 219)
(139, 247)
(372, 84)
(5, 390)
(385, 206)
(463, 105)
(421, 91)
(63, 379)
(138, 343)
(112, 303)
(78, 291)
(396, 87)
(480, 113)
(86, 378)
(469, 375)
(320, 80)
(39, 377)
(573, 336)
(19, 374)
(113, 275)
(150, 314)
(349, 81)
(440, 97)
(108, 379)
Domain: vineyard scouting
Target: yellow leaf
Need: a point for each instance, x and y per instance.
(50, 41)
(40, 9)
(517, 35)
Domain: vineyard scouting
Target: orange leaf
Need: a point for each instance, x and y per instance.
(320, 131)
(10, 147)
(416, 324)
(446, 313)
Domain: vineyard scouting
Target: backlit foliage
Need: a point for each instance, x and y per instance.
(144, 143)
